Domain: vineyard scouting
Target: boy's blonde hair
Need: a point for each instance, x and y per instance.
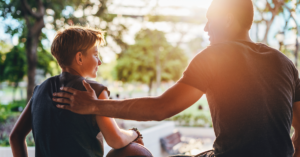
(73, 39)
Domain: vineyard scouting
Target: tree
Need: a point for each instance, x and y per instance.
(31, 14)
(276, 8)
(15, 66)
(182, 25)
(270, 10)
(273, 7)
(139, 62)
(292, 12)
(195, 45)
(4, 48)
(1, 67)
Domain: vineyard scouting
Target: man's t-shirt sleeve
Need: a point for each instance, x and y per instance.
(199, 72)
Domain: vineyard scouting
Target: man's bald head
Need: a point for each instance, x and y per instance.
(242, 10)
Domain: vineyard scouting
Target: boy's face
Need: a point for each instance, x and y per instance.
(91, 62)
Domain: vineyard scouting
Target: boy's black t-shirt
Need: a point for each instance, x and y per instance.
(250, 89)
(61, 133)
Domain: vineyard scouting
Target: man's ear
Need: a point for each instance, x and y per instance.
(229, 20)
(78, 58)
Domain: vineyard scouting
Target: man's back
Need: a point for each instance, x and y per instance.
(250, 89)
(63, 133)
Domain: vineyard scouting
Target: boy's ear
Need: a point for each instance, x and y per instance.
(78, 58)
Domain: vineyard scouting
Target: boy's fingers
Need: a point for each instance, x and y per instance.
(68, 89)
(66, 107)
(62, 100)
(87, 86)
(62, 94)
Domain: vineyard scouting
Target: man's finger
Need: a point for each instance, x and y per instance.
(68, 89)
(63, 94)
(66, 107)
(62, 100)
(87, 86)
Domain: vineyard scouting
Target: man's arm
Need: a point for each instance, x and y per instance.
(174, 100)
(18, 134)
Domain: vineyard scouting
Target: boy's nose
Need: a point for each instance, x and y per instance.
(99, 62)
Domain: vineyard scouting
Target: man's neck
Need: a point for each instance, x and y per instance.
(242, 36)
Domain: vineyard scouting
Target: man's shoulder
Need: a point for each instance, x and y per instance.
(219, 48)
(238, 47)
(229, 45)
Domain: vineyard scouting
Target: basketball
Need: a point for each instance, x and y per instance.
(131, 150)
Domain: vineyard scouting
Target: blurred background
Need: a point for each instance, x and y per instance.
(149, 45)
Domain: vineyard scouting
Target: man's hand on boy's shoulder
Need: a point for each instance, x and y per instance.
(81, 102)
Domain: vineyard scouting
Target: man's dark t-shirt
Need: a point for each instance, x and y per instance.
(61, 133)
(250, 89)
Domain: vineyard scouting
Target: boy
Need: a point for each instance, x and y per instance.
(63, 133)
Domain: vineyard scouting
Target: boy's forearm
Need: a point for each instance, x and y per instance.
(296, 143)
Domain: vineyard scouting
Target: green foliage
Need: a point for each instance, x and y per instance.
(8, 117)
(2, 57)
(4, 48)
(138, 63)
(189, 19)
(106, 70)
(61, 13)
(11, 110)
(15, 65)
(195, 44)
(188, 119)
(45, 59)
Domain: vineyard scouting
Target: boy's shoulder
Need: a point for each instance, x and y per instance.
(47, 82)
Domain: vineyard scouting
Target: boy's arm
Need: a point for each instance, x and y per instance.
(114, 136)
(18, 134)
(296, 125)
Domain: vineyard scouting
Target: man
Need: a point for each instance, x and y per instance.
(251, 88)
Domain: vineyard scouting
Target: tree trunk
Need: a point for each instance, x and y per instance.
(16, 85)
(158, 71)
(257, 32)
(14, 93)
(268, 25)
(31, 50)
(150, 87)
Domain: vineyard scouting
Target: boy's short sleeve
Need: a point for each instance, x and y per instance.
(199, 72)
(99, 88)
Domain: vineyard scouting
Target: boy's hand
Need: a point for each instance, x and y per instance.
(139, 141)
(81, 102)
